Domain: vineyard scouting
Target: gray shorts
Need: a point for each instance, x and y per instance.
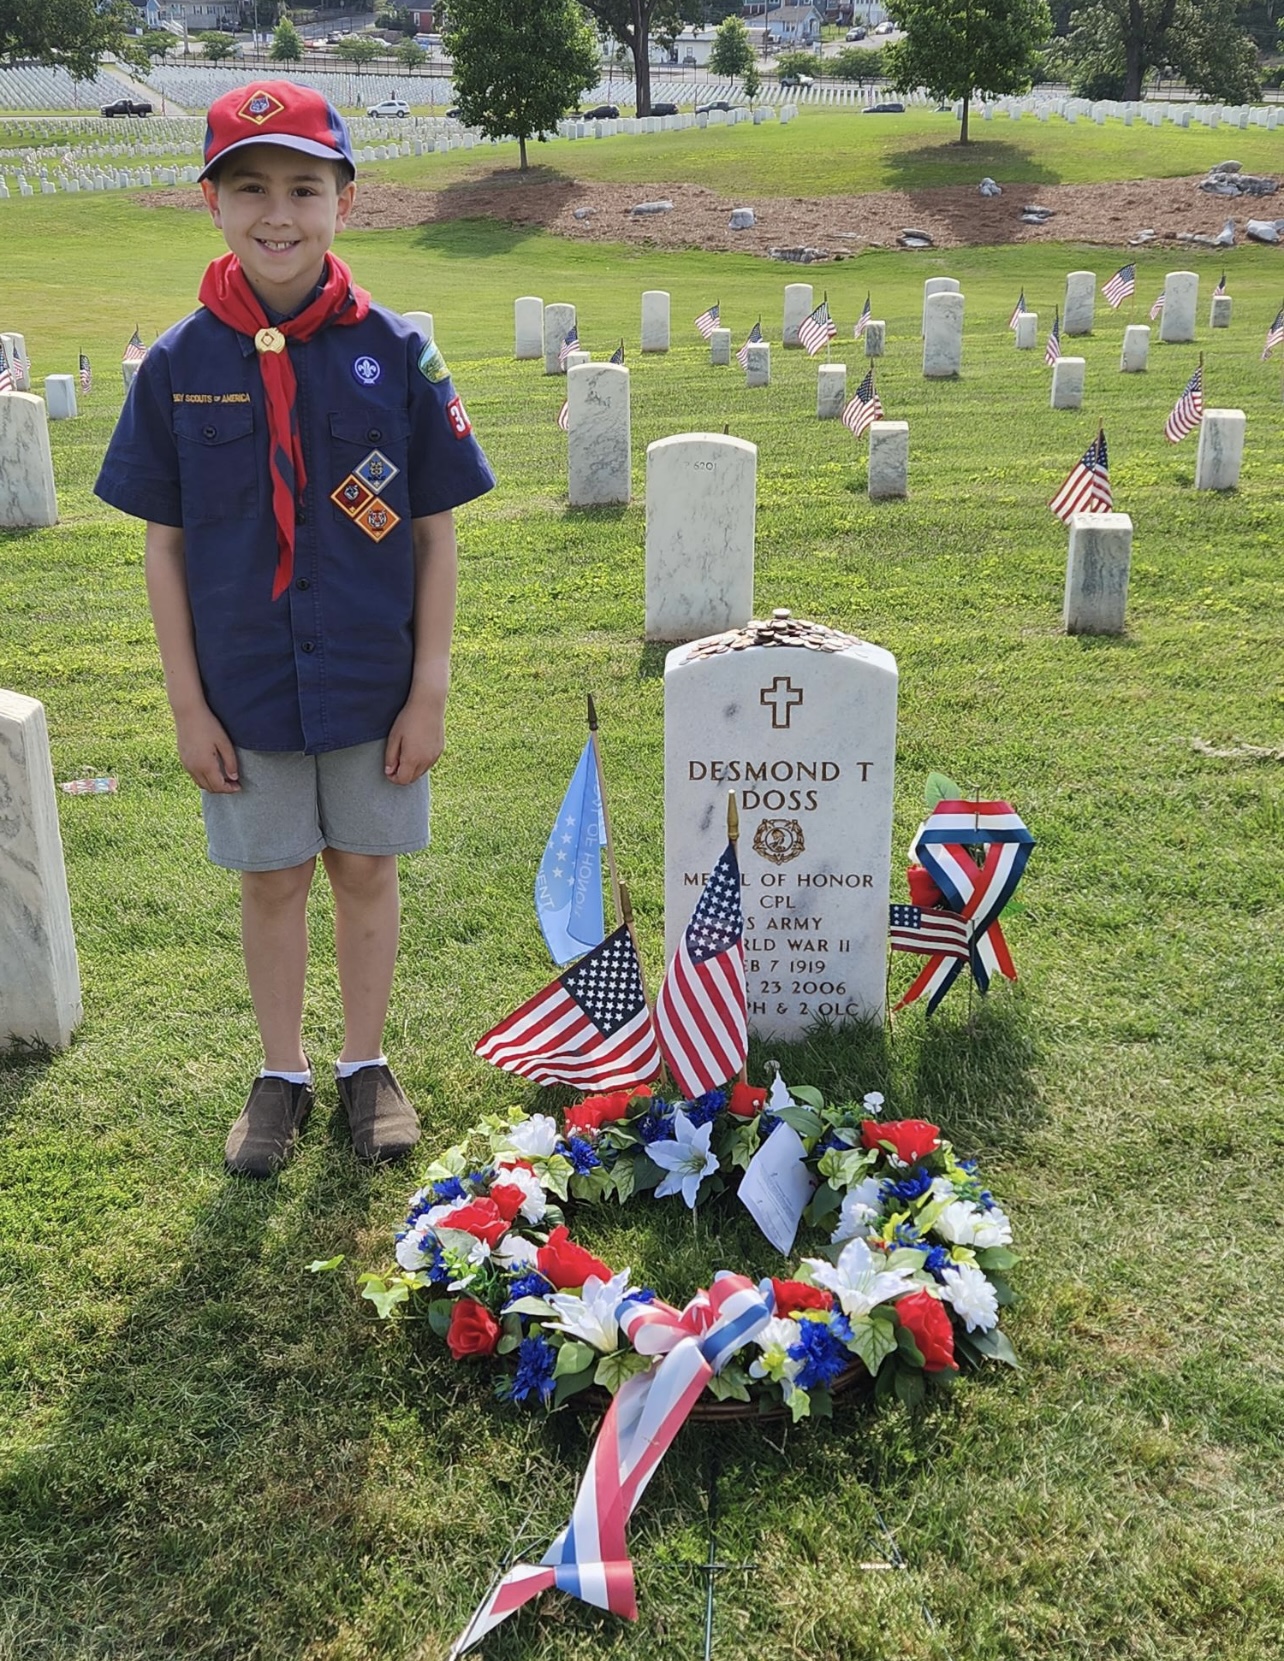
(291, 806)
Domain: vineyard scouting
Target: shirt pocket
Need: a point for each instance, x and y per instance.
(368, 486)
(218, 462)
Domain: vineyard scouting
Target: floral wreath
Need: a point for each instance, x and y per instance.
(909, 1288)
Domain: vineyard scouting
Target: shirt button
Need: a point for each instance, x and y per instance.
(375, 434)
(308, 646)
(209, 432)
(300, 517)
(302, 583)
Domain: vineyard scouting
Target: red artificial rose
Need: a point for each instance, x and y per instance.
(922, 890)
(566, 1264)
(792, 1295)
(509, 1199)
(746, 1100)
(912, 1139)
(595, 1111)
(929, 1326)
(481, 1218)
(473, 1330)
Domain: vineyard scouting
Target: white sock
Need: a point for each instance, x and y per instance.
(345, 1069)
(290, 1078)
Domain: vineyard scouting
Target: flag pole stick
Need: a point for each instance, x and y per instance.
(626, 906)
(606, 817)
(733, 836)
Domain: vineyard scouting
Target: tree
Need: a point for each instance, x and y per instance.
(75, 34)
(856, 63)
(751, 83)
(800, 63)
(956, 48)
(287, 47)
(519, 64)
(216, 45)
(156, 43)
(633, 22)
(356, 51)
(411, 54)
(1115, 44)
(732, 51)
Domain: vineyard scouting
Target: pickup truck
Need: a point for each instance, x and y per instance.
(126, 106)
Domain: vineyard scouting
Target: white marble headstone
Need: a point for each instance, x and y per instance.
(1181, 298)
(27, 495)
(758, 364)
(806, 738)
(598, 448)
(1221, 449)
(831, 391)
(875, 338)
(942, 335)
(798, 305)
(422, 321)
(60, 397)
(1136, 349)
(16, 350)
(720, 347)
(128, 369)
(1027, 331)
(1219, 313)
(39, 974)
(655, 320)
(888, 476)
(528, 327)
(1067, 383)
(936, 285)
(1080, 304)
(1097, 565)
(559, 319)
(701, 507)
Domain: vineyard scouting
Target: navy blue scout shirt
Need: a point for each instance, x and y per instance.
(385, 440)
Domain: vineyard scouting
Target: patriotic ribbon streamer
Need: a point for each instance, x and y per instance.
(589, 1558)
(977, 895)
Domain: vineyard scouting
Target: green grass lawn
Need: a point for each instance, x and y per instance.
(206, 1452)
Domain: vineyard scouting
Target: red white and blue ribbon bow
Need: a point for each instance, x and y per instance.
(975, 893)
(589, 1558)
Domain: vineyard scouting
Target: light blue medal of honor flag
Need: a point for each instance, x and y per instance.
(568, 884)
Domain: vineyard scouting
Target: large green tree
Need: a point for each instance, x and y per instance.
(1114, 44)
(287, 43)
(956, 48)
(77, 34)
(519, 65)
(732, 50)
(633, 23)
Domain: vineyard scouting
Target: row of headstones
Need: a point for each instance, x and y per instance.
(75, 182)
(674, 123)
(1153, 114)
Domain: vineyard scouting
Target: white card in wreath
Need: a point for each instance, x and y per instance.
(776, 1187)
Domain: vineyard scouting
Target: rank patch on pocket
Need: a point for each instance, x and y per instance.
(352, 496)
(376, 471)
(377, 520)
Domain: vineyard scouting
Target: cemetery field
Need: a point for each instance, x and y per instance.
(208, 1452)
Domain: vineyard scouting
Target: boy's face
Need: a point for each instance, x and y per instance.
(279, 211)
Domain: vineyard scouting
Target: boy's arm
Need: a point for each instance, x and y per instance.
(418, 735)
(204, 748)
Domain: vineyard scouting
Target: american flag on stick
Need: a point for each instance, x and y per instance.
(864, 408)
(617, 356)
(1121, 286)
(1157, 307)
(701, 1014)
(755, 337)
(1275, 334)
(1053, 351)
(1188, 411)
(817, 329)
(564, 415)
(707, 321)
(135, 352)
(569, 344)
(913, 929)
(590, 1028)
(862, 322)
(1221, 285)
(6, 374)
(1017, 310)
(86, 373)
(1087, 487)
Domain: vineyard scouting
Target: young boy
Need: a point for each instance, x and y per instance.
(296, 452)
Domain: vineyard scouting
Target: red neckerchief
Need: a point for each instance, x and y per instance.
(225, 291)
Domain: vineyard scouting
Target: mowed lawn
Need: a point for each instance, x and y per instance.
(207, 1452)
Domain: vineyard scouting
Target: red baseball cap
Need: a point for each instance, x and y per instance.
(276, 112)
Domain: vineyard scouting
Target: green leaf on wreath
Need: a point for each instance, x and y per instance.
(965, 1348)
(622, 1177)
(592, 1185)
(323, 1266)
(439, 1313)
(873, 1339)
(613, 1369)
(646, 1175)
(573, 1357)
(804, 1120)
(741, 1145)
(910, 1389)
(996, 1346)
(570, 1384)
(507, 1345)
(808, 1095)
(731, 1384)
(908, 1348)
(823, 1204)
(799, 1405)
(939, 788)
(844, 1167)
(1003, 1292)
(822, 1404)
(995, 1257)
(556, 1173)
(538, 1307)
(385, 1295)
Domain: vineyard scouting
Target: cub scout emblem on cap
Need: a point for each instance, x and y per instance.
(366, 370)
(376, 471)
(259, 107)
(432, 366)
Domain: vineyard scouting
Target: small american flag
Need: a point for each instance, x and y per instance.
(1221, 285)
(864, 408)
(701, 1015)
(564, 415)
(927, 932)
(135, 352)
(590, 1028)
(1157, 307)
(1053, 351)
(1017, 310)
(569, 345)
(1121, 286)
(86, 374)
(1275, 334)
(817, 329)
(755, 336)
(862, 322)
(707, 321)
(1087, 488)
(1188, 411)
(617, 356)
(6, 374)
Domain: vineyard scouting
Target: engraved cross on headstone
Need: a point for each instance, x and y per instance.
(781, 697)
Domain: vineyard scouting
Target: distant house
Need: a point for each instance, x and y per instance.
(794, 25)
(424, 19)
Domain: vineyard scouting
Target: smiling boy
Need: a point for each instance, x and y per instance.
(296, 452)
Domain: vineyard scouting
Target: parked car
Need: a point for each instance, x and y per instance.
(708, 109)
(600, 112)
(126, 106)
(886, 109)
(886, 27)
(452, 114)
(796, 81)
(396, 107)
(689, 62)
(664, 109)
(856, 34)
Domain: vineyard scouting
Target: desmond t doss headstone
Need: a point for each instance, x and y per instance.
(800, 722)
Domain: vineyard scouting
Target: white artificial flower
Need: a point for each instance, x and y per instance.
(857, 1281)
(861, 1209)
(686, 1158)
(534, 1202)
(591, 1316)
(515, 1249)
(942, 1188)
(415, 1250)
(779, 1098)
(774, 1341)
(437, 1216)
(873, 1103)
(532, 1138)
(970, 1295)
(965, 1224)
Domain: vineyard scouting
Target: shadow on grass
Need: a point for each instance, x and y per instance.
(974, 1075)
(935, 164)
(485, 215)
(22, 1067)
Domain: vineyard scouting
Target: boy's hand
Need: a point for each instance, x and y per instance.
(207, 752)
(417, 739)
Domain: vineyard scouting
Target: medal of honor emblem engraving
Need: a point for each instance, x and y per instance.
(779, 840)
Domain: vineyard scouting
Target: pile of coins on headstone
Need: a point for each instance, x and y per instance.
(784, 629)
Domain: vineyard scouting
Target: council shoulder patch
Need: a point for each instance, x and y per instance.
(260, 106)
(432, 366)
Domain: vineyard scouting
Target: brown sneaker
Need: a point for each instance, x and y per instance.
(263, 1138)
(384, 1125)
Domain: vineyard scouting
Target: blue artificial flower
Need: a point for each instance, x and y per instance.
(767, 1124)
(581, 1155)
(419, 1203)
(534, 1376)
(657, 1126)
(482, 1177)
(705, 1108)
(987, 1200)
(437, 1269)
(968, 1165)
(449, 1188)
(828, 1142)
(643, 1294)
(906, 1235)
(841, 1327)
(822, 1354)
(936, 1261)
(909, 1188)
(530, 1284)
